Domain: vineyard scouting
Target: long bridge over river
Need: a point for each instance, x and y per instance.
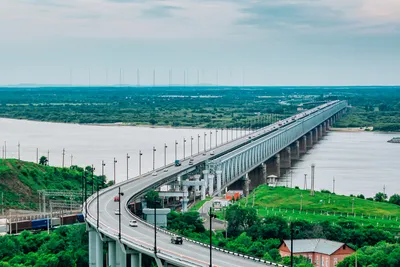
(246, 162)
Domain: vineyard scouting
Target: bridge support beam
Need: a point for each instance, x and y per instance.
(120, 256)
(295, 150)
(210, 184)
(219, 182)
(112, 260)
(247, 181)
(285, 158)
(274, 166)
(92, 246)
(303, 144)
(309, 140)
(99, 251)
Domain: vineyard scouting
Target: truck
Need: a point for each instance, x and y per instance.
(177, 163)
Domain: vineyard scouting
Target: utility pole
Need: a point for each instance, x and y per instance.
(5, 149)
(19, 151)
(71, 158)
(216, 137)
(37, 155)
(333, 188)
(48, 157)
(165, 155)
(176, 148)
(191, 146)
(63, 155)
(211, 217)
(291, 245)
(140, 162)
(115, 176)
(154, 158)
(205, 146)
(312, 179)
(210, 140)
(127, 166)
(305, 181)
(92, 179)
(184, 147)
(198, 143)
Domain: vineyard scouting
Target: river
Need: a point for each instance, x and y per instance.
(360, 162)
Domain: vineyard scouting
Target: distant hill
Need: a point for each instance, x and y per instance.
(21, 180)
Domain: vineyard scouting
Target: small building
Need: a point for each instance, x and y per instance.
(219, 203)
(234, 194)
(320, 252)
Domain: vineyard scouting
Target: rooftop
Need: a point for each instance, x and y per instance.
(322, 246)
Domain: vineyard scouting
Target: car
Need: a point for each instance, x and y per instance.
(212, 153)
(190, 162)
(154, 174)
(177, 163)
(116, 198)
(133, 223)
(117, 212)
(165, 170)
(191, 159)
(176, 240)
(204, 153)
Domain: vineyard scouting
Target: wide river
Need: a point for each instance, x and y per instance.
(360, 162)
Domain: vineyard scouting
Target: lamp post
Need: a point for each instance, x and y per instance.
(154, 157)
(120, 194)
(184, 146)
(93, 179)
(140, 162)
(216, 137)
(222, 136)
(210, 140)
(198, 143)
(205, 146)
(127, 165)
(191, 146)
(165, 155)
(211, 217)
(115, 177)
(176, 149)
(291, 245)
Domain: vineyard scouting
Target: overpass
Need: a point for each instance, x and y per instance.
(259, 155)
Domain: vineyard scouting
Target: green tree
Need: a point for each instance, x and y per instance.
(43, 160)
(380, 197)
(395, 199)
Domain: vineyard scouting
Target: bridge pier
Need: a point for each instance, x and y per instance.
(303, 144)
(324, 128)
(210, 184)
(205, 177)
(184, 198)
(264, 173)
(92, 246)
(295, 150)
(315, 135)
(309, 140)
(274, 165)
(219, 182)
(247, 181)
(256, 177)
(111, 254)
(120, 256)
(285, 158)
(320, 131)
(99, 250)
(136, 260)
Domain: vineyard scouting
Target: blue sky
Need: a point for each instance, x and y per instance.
(268, 42)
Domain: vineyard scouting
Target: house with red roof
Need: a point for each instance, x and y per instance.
(320, 252)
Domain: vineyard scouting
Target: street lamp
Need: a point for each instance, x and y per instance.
(140, 162)
(210, 139)
(222, 136)
(120, 194)
(154, 157)
(115, 177)
(165, 155)
(184, 145)
(191, 146)
(98, 199)
(198, 143)
(155, 202)
(216, 137)
(211, 217)
(176, 149)
(127, 165)
(93, 179)
(205, 146)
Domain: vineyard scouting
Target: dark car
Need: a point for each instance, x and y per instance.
(177, 240)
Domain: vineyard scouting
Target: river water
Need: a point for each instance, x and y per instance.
(360, 162)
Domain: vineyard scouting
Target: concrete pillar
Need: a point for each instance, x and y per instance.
(324, 128)
(264, 173)
(184, 199)
(274, 166)
(203, 190)
(295, 151)
(315, 135)
(205, 176)
(197, 178)
(219, 181)
(278, 165)
(136, 260)
(246, 185)
(210, 184)
(303, 144)
(285, 158)
(92, 247)
(112, 261)
(99, 251)
(320, 131)
(120, 256)
(309, 140)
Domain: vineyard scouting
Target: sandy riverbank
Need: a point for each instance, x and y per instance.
(355, 129)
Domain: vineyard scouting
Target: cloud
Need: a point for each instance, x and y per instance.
(161, 11)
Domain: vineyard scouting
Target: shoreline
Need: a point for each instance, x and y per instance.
(352, 129)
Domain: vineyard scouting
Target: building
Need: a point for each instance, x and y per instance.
(320, 252)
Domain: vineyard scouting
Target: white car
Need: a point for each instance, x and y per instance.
(165, 170)
(212, 153)
(133, 223)
(154, 174)
(117, 212)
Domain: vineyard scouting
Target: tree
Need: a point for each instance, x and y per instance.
(380, 197)
(240, 219)
(43, 160)
(395, 199)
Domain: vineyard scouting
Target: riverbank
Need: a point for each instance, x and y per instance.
(351, 129)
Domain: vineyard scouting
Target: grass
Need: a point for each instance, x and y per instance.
(286, 202)
(199, 204)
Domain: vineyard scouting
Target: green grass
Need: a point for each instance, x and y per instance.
(285, 202)
(199, 204)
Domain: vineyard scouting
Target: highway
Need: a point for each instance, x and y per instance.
(141, 238)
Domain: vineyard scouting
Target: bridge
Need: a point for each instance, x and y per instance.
(256, 158)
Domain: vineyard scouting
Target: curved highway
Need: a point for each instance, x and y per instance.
(141, 238)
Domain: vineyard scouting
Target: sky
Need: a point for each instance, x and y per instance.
(224, 42)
